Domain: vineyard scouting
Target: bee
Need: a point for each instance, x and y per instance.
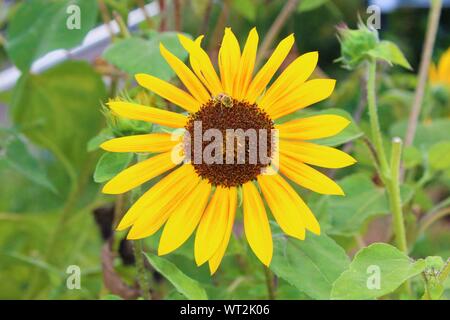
(223, 100)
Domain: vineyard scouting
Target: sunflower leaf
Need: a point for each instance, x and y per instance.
(309, 5)
(40, 26)
(375, 271)
(311, 265)
(137, 55)
(110, 164)
(391, 53)
(438, 155)
(56, 114)
(17, 156)
(345, 216)
(428, 133)
(190, 288)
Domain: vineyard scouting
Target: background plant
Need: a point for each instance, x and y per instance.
(52, 214)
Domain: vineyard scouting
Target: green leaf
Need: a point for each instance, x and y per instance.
(378, 261)
(309, 5)
(411, 157)
(427, 134)
(111, 297)
(389, 52)
(190, 288)
(110, 164)
(17, 156)
(439, 155)
(246, 8)
(60, 109)
(95, 142)
(363, 200)
(136, 55)
(40, 26)
(311, 265)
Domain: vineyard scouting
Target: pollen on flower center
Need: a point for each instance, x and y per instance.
(244, 127)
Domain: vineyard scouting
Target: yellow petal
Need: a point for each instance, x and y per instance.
(139, 112)
(157, 211)
(444, 66)
(266, 73)
(187, 44)
(212, 227)
(216, 258)
(139, 173)
(161, 192)
(168, 91)
(184, 219)
(307, 94)
(308, 177)
(317, 155)
(311, 128)
(229, 56)
(153, 142)
(246, 65)
(256, 224)
(201, 64)
(291, 78)
(291, 213)
(186, 76)
(282, 207)
(433, 74)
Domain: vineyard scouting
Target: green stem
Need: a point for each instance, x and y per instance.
(374, 121)
(142, 272)
(390, 174)
(122, 25)
(393, 189)
(139, 250)
(432, 218)
(395, 198)
(445, 272)
(269, 283)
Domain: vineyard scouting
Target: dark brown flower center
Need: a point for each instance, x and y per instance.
(228, 141)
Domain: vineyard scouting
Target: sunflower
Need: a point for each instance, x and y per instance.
(440, 74)
(204, 197)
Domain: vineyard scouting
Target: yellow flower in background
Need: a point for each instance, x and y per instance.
(440, 74)
(204, 197)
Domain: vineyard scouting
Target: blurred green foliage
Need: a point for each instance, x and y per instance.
(52, 214)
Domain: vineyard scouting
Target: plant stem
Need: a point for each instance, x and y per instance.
(394, 196)
(432, 218)
(163, 16)
(138, 248)
(142, 272)
(207, 17)
(374, 121)
(106, 18)
(275, 29)
(390, 175)
(433, 24)
(269, 283)
(122, 25)
(393, 189)
(214, 43)
(445, 272)
(148, 20)
(177, 15)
